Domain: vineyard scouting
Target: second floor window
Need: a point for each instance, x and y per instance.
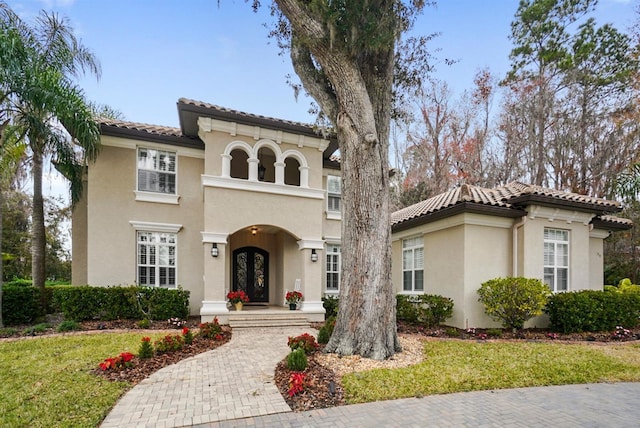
(156, 171)
(334, 191)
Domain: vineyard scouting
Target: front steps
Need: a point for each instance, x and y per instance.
(263, 319)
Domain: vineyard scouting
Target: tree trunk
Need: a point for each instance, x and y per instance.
(38, 239)
(1, 259)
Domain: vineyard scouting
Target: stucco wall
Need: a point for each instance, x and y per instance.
(111, 240)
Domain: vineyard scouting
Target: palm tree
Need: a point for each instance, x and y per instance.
(50, 112)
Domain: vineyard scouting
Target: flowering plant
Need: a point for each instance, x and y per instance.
(187, 335)
(211, 330)
(305, 341)
(145, 350)
(296, 383)
(293, 297)
(176, 322)
(122, 361)
(237, 296)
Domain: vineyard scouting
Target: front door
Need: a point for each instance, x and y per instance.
(251, 273)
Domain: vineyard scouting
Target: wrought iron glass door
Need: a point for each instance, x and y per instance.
(251, 273)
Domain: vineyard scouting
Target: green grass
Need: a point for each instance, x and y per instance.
(46, 382)
(456, 366)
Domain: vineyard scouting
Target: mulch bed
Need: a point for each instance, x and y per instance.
(322, 389)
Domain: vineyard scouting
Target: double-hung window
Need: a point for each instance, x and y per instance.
(556, 259)
(333, 267)
(156, 171)
(334, 191)
(413, 264)
(157, 259)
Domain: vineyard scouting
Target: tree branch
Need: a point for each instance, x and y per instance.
(314, 80)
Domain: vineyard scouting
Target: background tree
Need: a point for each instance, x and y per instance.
(344, 53)
(50, 111)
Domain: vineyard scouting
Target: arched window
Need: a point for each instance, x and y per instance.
(292, 171)
(239, 165)
(266, 167)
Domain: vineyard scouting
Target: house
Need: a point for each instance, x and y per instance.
(451, 243)
(232, 200)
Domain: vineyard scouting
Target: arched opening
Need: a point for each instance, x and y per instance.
(292, 171)
(239, 165)
(266, 167)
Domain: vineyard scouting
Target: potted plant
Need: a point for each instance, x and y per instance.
(292, 298)
(238, 298)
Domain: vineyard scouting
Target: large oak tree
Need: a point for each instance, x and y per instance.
(345, 53)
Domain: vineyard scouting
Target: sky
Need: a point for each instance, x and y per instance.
(154, 52)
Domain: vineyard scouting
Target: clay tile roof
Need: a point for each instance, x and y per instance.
(202, 104)
(510, 197)
(142, 127)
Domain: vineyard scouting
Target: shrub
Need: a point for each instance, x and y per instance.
(187, 336)
(122, 361)
(296, 383)
(624, 286)
(20, 304)
(452, 332)
(145, 350)
(169, 343)
(297, 360)
(68, 325)
(513, 300)
(325, 332)
(593, 310)
(330, 304)
(426, 309)
(210, 330)
(494, 332)
(109, 303)
(144, 323)
(305, 341)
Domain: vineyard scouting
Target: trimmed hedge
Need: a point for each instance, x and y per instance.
(427, 309)
(109, 303)
(593, 310)
(20, 304)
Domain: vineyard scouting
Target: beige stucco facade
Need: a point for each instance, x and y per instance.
(252, 203)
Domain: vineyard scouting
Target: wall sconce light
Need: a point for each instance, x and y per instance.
(254, 230)
(314, 256)
(214, 250)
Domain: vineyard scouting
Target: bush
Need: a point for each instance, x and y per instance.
(513, 300)
(325, 332)
(109, 303)
(169, 343)
(145, 350)
(624, 286)
(297, 360)
(68, 325)
(426, 309)
(210, 330)
(20, 304)
(593, 310)
(330, 304)
(305, 341)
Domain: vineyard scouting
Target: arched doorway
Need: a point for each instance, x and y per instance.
(251, 273)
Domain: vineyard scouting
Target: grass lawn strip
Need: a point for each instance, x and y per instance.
(46, 382)
(458, 366)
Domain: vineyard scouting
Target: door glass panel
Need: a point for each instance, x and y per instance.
(258, 268)
(241, 271)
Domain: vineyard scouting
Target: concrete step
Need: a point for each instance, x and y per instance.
(267, 320)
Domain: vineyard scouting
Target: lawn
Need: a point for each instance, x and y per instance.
(457, 366)
(46, 382)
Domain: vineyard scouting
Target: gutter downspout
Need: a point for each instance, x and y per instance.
(516, 226)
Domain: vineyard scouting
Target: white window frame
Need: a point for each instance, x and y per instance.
(552, 268)
(413, 262)
(157, 253)
(156, 193)
(334, 193)
(333, 258)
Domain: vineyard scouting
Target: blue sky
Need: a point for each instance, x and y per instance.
(154, 52)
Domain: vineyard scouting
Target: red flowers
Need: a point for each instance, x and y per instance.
(296, 383)
(237, 296)
(122, 361)
(293, 296)
(146, 339)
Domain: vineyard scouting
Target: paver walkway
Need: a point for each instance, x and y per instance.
(229, 382)
(594, 405)
(232, 386)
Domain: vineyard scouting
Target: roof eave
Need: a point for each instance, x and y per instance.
(459, 208)
(598, 223)
(136, 134)
(550, 201)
